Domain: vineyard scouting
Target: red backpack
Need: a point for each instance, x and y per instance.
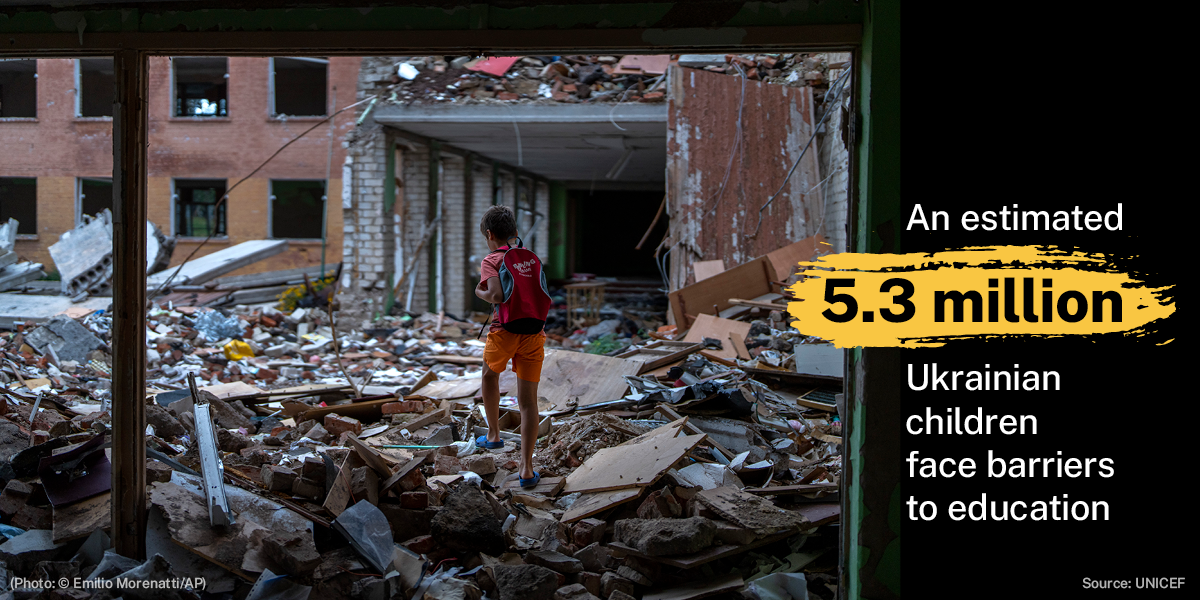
(526, 298)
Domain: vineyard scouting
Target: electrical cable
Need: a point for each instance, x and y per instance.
(213, 230)
(838, 85)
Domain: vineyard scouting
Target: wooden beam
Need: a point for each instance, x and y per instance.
(584, 40)
(130, 139)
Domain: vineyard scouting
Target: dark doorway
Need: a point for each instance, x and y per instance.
(609, 224)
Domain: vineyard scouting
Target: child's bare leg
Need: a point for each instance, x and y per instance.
(527, 401)
(491, 402)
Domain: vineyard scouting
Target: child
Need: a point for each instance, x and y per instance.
(499, 226)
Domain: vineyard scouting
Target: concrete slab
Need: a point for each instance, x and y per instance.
(207, 268)
(19, 308)
(565, 142)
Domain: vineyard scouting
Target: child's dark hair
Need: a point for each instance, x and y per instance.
(500, 220)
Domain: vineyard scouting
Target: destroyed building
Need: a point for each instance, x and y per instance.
(210, 118)
(590, 151)
(318, 450)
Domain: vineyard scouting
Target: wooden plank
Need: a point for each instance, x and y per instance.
(821, 513)
(369, 410)
(758, 303)
(455, 388)
(226, 391)
(428, 418)
(80, 519)
(661, 352)
(708, 268)
(750, 511)
(372, 457)
(718, 328)
(339, 493)
(739, 345)
(664, 432)
(593, 503)
(670, 413)
(717, 359)
(749, 279)
(623, 466)
(400, 474)
(454, 359)
(423, 381)
(793, 489)
(785, 260)
(585, 378)
(699, 588)
(547, 486)
(690, 561)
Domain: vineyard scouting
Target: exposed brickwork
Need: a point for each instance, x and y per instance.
(59, 147)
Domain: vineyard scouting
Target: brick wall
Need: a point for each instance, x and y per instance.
(59, 147)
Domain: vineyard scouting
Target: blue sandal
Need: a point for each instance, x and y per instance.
(483, 442)
(531, 482)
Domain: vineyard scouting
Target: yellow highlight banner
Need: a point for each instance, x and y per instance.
(926, 300)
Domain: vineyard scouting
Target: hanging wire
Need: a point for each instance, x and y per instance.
(835, 90)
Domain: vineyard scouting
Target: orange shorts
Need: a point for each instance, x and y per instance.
(524, 350)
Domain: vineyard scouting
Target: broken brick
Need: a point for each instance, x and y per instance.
(336, 424)
(364, 483)
(575, 591)
(587, 532)
(157, 471)
(14, 496)
(633, 575)
(313, 468)
(611, 582)
(414, 500)
(308, 488)
(33, 517)
(446, 465)
(405, 406)
(277, 478)
(480, 464)
(422, 544)
(559, 563)
(318, 434)
(590, 582)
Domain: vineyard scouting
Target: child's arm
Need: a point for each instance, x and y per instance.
(489, 291)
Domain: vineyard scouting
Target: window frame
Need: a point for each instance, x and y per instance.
(174, 215)
(34, 118)
(79, 96)
(271, 210)
(79, 196)
(273, 114)
(173, 114)
(34, 235)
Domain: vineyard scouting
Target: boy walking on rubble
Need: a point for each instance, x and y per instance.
(511, 278)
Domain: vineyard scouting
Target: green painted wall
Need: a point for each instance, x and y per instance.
(556, 262)
(873, 539)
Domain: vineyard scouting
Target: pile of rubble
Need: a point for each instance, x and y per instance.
(592, 78)
(312, 459)
(13, 270)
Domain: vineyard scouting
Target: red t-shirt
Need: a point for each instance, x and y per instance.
(488, 269)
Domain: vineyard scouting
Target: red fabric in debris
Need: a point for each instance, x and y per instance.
(497, 66)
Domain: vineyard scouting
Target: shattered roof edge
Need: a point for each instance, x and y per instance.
(525, 113)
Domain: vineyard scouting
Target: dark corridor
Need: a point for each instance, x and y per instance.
(608, 225)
